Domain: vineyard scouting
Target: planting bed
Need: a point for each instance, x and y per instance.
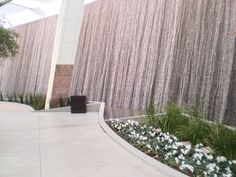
(187, 158)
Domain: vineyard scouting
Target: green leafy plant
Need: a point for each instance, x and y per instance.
(8, 43)
(167, 148)
(68, 101)
(194, 131)
(37, 101)
(62, 102)
(223, 140)
(14, 98)
(21, 98)
(172, 119)
(151, 118)
(1, 97)
(196, 127)
(9, 98)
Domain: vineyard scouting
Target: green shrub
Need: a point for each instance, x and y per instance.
(8, 43)
(37, 101)
(14, 98)
(196, 127)
(1, 97)
(9, 98)
(172, 119)
(151, 118)
(194, 131)
(191, 125)
(68, 102)
(223, 141)
(62, 102)
(21, 98)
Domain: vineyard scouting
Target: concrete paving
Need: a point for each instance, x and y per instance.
(37, 144)
(14, 107)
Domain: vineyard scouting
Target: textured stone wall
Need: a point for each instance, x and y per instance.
(28, 72)
(131, 51)
(231, 106)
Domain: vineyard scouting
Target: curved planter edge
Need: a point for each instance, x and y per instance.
(165, 169)
(23, 105)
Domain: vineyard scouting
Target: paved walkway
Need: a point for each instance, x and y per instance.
(14, 107)
(34, 144)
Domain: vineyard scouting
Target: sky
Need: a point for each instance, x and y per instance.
(23, 11)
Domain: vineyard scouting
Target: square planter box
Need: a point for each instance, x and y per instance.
(78, 104)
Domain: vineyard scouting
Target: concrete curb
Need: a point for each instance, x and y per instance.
(92, 106)
(166, 170)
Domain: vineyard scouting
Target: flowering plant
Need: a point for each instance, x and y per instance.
(168, 149)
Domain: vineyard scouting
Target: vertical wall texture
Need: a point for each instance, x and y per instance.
(231, 107)
(28, 72)
(131, 51)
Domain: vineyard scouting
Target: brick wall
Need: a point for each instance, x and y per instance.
(61, 85)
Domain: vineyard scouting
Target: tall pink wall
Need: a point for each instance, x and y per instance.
(28, 72)
(132, 51)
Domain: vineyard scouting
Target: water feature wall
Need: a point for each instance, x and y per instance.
(28, 72)
(132, 51)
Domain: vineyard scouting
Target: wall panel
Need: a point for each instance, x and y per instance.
(180, 50)
(28, 72)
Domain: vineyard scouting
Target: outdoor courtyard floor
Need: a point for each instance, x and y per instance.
(61, 144)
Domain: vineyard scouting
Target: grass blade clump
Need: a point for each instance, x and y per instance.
(1, 97)
(195, 129)
(172, 119)
(151, 118)
(223, 140)
(37, 101)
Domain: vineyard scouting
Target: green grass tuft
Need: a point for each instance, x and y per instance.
(223, 141)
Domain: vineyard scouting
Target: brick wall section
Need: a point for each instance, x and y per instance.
(61, 85)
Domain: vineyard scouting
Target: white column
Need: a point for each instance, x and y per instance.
(66, 38)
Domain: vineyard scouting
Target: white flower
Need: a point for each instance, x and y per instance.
(144, 138)
(170, 141)
(189, 167)
(198, 150)
(149, 146)
(227, 175)
(179, 144)
(186, 150)
(234, 161)
(228, 170)
(174, 152)
(199, 146)
(176, 160)
(211, 167)
(197, 156)
(181, 157)
(209, 157)
(221, 159)
(152, 134)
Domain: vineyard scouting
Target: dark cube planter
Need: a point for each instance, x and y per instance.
(78, 104)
